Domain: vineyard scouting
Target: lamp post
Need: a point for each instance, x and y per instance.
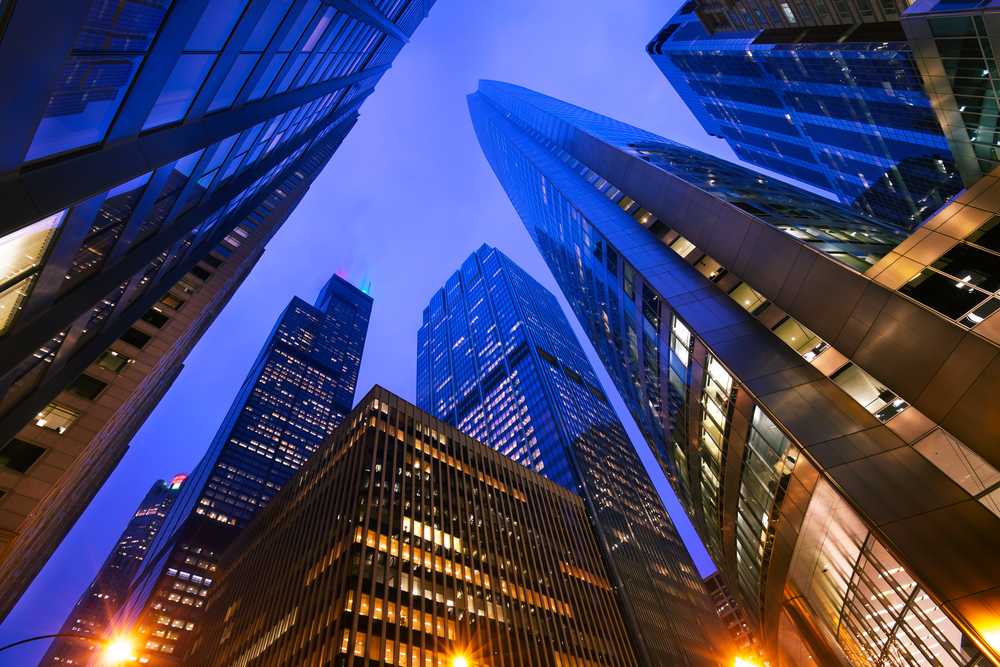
(117, 649)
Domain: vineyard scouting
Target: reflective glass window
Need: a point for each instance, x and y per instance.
(234, 81)
(87, 97)
(267, 78)
(215, 25)
(180, 89)
(300, 25)
(21, 255)
(944, 294)
(267, 25)
(92, 86)
(105, 230)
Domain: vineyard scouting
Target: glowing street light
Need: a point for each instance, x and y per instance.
(460, 661)
(116, 650)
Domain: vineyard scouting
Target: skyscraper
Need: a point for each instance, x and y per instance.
(496, 357)
(840, 107)
(102, 598)
(953, 47)
(738, 15)
(142, 136)
(405, 542)
(829, 431)
(299, 389)
(86, 430)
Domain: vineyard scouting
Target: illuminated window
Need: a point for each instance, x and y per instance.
(56, 418)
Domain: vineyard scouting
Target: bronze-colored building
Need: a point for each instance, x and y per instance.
(403, 541)
(830, 426)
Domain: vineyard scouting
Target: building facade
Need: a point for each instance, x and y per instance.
(145, 137)
(102, 598)
(300, 388)
(953, 47)
(827, 429)
(840, 107)
(406, 542)
(497, 358)
(743, 636)
(739, 15)
(58, 462)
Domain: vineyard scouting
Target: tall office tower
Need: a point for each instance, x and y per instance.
(842, 108)
(496, 357)
(299, 389)
(743, 636)
(953, 47)
(102, 598)
(738, 15)
(406, 542)
(139, 139)
(830, 432)
(55, 465)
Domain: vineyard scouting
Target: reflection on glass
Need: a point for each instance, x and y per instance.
(215, 25)
(21, 255)
(180, 90)
(267, 78)
(946, 295)
(234, 81)
(87, 97)
(104, 231)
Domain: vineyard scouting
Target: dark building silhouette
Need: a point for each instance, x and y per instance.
(105, 594)
(300, 388)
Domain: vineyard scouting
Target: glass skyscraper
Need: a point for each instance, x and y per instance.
(496, 357)
(142, 136)
(840, 107)
(104, 596)
(829, 430)
(299, 389)
(953, 46)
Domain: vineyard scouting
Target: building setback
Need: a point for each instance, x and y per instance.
(829, 431)
(300, 388)
(496, 357)
(406, 542)
(100, 601)
(143, 137)
(95, 417)
(840, 107)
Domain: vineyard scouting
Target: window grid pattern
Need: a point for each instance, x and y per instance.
(851, 118)
(440, 547)
(575, 438)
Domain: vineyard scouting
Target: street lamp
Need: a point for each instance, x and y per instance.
(116, 650)
(460, 661)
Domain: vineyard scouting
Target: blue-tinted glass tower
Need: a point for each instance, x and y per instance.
(301, 386)
(792, 399)
(496, 357)
(106, 593)
(840, 107)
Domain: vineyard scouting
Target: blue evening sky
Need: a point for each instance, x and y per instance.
(407, 197)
